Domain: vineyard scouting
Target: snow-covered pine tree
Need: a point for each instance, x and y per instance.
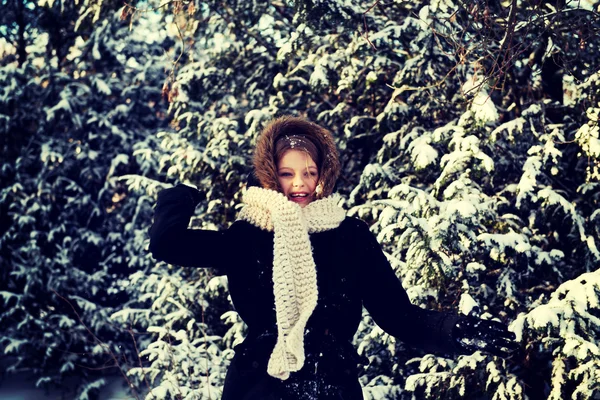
(486, 211)
(67, 239)
(473, 181)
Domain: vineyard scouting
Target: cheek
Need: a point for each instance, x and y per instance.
(284, 186)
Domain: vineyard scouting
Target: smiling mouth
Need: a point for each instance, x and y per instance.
(299, 197)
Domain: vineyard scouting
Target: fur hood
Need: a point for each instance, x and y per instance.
(265, 169)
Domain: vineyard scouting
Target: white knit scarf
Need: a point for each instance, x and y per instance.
(294, 271)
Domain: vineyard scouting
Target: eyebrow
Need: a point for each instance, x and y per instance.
(309, 167)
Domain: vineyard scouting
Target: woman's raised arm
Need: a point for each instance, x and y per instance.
(171, 240)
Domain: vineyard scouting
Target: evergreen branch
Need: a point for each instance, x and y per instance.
(171, 360)
(238, 23)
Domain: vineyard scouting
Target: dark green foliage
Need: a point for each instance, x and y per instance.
(67, 240)
(468, 136)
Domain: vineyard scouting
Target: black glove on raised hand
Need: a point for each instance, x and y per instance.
(180, 192)
(174, 207)
(492, 337)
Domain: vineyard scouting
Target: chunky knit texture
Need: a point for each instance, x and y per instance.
(294, 271)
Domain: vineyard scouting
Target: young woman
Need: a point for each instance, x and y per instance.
(299, 273)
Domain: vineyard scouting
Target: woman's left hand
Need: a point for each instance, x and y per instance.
(489, 336)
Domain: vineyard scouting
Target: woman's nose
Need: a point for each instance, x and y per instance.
(298, 182)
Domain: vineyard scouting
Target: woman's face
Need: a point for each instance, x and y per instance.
(298, 176)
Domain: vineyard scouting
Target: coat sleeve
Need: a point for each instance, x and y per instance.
(171, 240)
(387, 302)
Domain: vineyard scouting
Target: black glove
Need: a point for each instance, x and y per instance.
(174, 207)
(180, 192)
(473, 334)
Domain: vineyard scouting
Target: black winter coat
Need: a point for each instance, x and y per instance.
(352, 271)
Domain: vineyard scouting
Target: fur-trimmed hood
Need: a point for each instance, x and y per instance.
(265, 168)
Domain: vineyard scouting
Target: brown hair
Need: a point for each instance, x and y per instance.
(285, 133)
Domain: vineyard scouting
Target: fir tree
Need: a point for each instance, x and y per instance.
(469, 141)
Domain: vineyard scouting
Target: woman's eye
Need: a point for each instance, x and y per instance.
(285, 174)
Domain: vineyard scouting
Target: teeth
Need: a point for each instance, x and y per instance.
(298, 195)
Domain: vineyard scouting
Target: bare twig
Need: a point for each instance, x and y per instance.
(366, 27)
(505, 46)
(140, 360)
(149, 9)
(102, 344)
